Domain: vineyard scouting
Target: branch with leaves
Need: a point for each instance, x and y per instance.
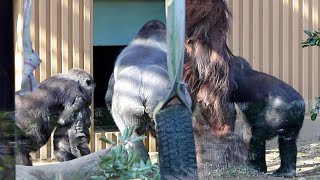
(123, 163)
(314, 112)
(313, 39)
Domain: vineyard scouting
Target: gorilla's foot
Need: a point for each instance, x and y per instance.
(259, 166)
(63, 156)
(284, 172)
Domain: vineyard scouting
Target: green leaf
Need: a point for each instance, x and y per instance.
(125, 134)
(148, 162)
(137, 139)
(119, 150)
(107, 140)
(313, 42)
(142, 164)
(98, 178)
(305, 45)
(144, 168)
(314, 117)
(142, 176)
(130, 131)
(308, 32)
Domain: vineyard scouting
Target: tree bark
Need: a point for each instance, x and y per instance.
(80, 168)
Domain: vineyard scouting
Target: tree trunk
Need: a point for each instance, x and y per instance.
(80, 168)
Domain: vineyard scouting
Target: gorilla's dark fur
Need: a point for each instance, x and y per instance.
(140, 80)
(71, 140)
(55, 101)
(272, 108)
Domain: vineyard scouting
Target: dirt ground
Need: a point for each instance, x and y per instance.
(308, 160)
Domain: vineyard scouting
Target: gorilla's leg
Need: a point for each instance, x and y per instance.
(62, 150)
(126, 117)
(136, 123)
(63, 155)
(257, 152)
(288, 156)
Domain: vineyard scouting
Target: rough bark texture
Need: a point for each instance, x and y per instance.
(80, 168)
(216, 152)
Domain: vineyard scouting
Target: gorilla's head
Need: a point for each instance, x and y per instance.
(84, 79)
(151, 27)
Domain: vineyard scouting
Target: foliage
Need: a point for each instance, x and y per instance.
(314, 112)
(7, 130)
(103, 118)
(123, 163)
(313, 39)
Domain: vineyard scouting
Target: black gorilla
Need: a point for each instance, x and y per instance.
(55, 101)
(272, 108)
(139, 82)
(71, 140)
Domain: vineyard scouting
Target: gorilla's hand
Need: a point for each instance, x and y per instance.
(68, 112)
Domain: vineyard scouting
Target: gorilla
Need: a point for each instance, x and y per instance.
(140, 81)
(71, 140)
(54, 102)
(271, 108)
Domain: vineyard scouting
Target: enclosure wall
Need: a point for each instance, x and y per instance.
(269, 34)
(266, 32)
(61, 32)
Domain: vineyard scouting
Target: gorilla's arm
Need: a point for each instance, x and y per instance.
(66, 114)
(109, 94)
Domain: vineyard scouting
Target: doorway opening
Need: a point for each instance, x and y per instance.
(104, 58)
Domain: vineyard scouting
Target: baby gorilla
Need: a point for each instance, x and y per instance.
(54, 102)
(71, 140)
(272, 108)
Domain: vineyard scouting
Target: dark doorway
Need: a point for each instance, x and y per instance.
(104, 58)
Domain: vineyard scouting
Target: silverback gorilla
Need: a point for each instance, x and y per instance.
(54, 102)
(71, 140)
(272, 108)
(140, 80)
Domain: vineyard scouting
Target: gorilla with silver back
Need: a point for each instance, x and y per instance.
(54, 102)
(271, 108)
(140, 80)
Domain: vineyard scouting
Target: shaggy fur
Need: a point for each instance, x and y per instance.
(208, 69)
(272, 108)
(209, 73)
(54, 102)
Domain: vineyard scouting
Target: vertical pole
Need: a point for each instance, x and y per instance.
(175, 13)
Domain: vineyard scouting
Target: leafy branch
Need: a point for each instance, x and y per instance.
(314, 112)
(123, 163)
(313, 39)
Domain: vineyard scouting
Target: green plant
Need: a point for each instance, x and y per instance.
(313, 39)
(103, 118)
(314, 112)
(123, 163)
